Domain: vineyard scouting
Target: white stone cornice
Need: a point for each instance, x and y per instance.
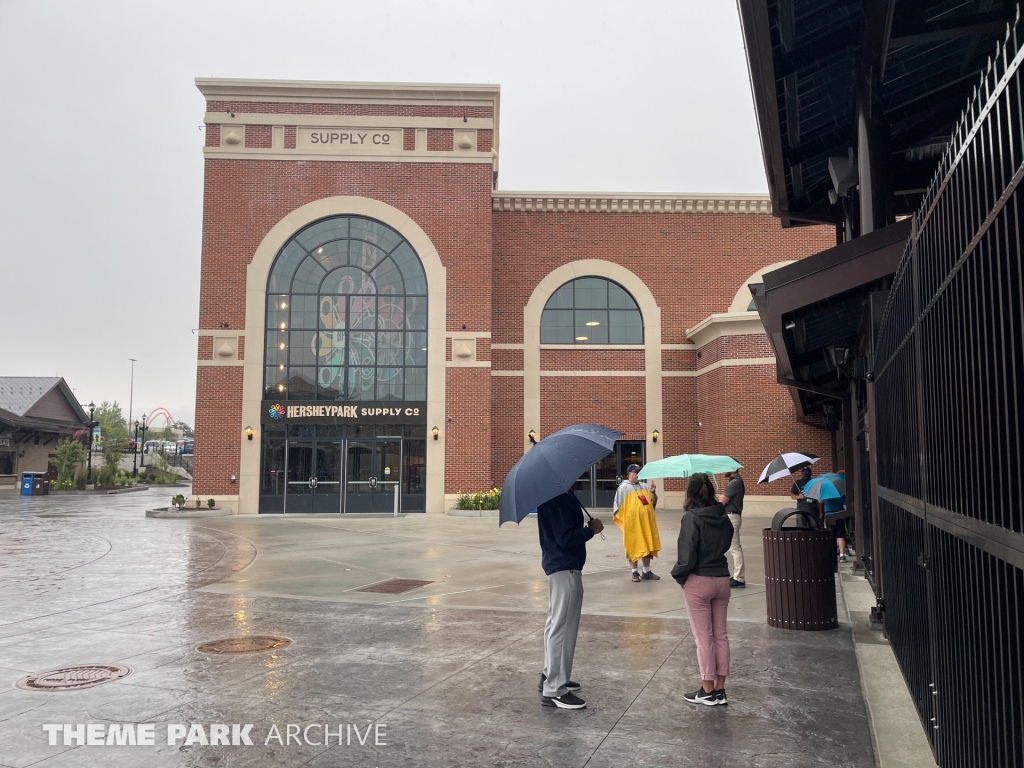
(319, 91)
(725, 324)
(629, 203)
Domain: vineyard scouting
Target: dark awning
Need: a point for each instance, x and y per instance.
(819, 302)
(803, 57)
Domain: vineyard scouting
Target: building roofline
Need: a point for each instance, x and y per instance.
(631, 202)
(240, 89)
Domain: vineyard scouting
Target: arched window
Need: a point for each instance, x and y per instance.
(591, 310)
(346, 315)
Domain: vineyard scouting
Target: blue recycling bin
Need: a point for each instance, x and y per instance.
(34, 484)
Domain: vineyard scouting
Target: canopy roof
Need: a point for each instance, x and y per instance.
(803, 57)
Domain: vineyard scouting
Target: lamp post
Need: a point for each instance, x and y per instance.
(92, 426)
(142, 461)
(131, 389)
(135, 452)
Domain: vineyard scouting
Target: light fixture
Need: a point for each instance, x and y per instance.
(284, 305)
(593, 323)
(435, 432)
(280, 367)
(282, 345)
(280, 387)
(655, 435)
(532, 434)
(248, 433)
(581, 338)
(282, 326)
(840, 355)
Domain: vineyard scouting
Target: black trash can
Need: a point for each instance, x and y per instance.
(40, 485)
(799, 569)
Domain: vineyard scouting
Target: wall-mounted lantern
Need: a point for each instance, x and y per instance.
(248, 433)
(435, 432)
(655, 435)
(532, 434)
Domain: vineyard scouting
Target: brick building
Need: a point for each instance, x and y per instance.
(375, 314)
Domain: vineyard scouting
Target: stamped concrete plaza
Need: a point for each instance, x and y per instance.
(451, 668)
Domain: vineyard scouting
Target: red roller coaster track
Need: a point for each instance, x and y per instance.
(161, 411)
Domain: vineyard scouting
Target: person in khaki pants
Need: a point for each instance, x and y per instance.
(732, 497)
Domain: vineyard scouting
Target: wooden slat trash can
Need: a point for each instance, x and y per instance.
(799, 570)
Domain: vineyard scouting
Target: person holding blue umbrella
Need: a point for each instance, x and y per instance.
(563, 546)
(541, 481)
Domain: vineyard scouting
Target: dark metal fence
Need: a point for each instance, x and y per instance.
(949, 392)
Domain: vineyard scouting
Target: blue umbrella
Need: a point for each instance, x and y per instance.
(839, 481)
(822, 488)
(551, 467)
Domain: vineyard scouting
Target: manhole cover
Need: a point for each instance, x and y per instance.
(395, 586)
(74, 678)
(253, 644)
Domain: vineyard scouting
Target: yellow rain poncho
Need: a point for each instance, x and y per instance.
(635, 516)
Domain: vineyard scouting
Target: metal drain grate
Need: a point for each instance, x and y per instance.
(395, 586)
(74, 678)
(252, 644)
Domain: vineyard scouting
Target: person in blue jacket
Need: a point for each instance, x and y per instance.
(563, 546)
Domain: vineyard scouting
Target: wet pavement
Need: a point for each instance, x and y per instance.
(448, 671)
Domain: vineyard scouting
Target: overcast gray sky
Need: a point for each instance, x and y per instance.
(101, 176)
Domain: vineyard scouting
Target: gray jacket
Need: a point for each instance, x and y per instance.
(705, 535)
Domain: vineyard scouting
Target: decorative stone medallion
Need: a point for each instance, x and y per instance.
(251, 644)
(74, 678)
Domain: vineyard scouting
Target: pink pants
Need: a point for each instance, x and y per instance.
(707, 601)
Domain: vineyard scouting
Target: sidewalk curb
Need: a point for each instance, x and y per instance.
(897, 734)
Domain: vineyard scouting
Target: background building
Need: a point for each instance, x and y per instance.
(375, 314)
(35, 413)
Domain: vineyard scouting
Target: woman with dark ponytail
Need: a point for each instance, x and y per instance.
(705, 535)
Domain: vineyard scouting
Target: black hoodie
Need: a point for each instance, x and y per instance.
(705, 535)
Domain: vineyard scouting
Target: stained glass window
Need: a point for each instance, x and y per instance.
(346, 315)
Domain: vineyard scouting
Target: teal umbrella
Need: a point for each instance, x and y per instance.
(686, 464)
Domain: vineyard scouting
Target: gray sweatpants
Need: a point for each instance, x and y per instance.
(565, 601)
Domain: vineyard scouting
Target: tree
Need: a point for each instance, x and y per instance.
(113, 432)
(67, 459)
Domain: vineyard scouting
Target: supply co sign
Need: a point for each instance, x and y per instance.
(305, 412)
(347, 141)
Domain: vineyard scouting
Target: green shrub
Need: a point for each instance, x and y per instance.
(178, 501)
(487, 500)
(67, 458)
(105, 477)
(211, 503)
(80, 480)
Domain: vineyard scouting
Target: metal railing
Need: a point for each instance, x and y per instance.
(949, 377)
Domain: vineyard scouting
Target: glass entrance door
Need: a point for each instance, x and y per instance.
(373, 472)
(327, 492)
(606, 480)
(331, 469)
(597, 485)
(301, 477)
(389, 472)
(358, 474)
